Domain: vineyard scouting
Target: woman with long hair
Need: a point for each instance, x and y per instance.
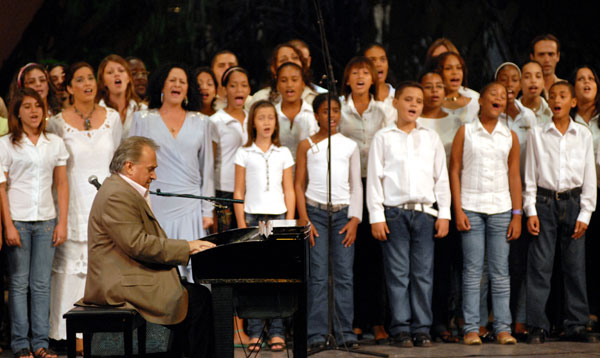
(185, 155)
(91, 134)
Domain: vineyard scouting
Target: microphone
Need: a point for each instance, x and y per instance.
(94, 181)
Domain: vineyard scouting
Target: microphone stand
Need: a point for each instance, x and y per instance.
(216, 201)
(330, 341)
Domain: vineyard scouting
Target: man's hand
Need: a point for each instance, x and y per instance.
(197, 246)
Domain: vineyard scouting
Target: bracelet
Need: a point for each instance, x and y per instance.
(517, 212)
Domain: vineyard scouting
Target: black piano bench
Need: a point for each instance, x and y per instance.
(89, 320)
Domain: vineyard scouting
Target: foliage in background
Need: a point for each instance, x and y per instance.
(486, 32)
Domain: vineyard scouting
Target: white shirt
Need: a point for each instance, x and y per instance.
(543, 113)
(407, 168)
(346, 185)
(466, 114)
(308, 95)
(592, 126)
(145, 193)
(467, 92)
(264, 178)
(132, 107)
(446, 127)
(391, 114)
(30, 175)
(361, 129)
(303, 126)
(521, 125)
(229, 136)
(484, 184)
(560, 162)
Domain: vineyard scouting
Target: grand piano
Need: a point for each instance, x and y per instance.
(257, 272)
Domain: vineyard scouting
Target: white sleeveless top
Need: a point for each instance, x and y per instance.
(484, 176)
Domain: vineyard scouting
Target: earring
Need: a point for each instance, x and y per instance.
(162, 97)
(185, 101)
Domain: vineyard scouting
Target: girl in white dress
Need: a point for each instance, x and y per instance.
(91, 134)
(385, 92)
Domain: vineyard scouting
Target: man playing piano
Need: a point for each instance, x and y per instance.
(131, 262)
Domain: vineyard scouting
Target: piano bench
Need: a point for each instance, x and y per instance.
(90, 320)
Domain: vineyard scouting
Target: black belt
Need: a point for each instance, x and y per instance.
(563, 195)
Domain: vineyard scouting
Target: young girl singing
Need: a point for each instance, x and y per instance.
(346, 198)
(532, 85)
(295, 115)
(362, 116)
(34, 161)
(264, 180)
(486, 185)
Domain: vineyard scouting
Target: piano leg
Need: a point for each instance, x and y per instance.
(300, 324)
(222, 298)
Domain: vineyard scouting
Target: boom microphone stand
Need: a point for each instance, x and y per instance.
(330, 341)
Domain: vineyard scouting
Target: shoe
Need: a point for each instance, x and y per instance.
(403, 339)
(486, 335)
(536, 336)
(422, 340)
(381, 336)
(446, 337)
(580, 336)
(472, 339)
(505, 338)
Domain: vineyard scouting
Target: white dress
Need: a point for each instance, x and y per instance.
(90, 153)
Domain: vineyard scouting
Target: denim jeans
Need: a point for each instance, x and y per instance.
(408, 268)
(29, 268)
(557, 222)
(343, 260)
(487, 238)
(255, 326)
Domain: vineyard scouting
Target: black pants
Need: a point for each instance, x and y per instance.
(196, 332)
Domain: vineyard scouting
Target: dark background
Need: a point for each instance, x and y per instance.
(487, 33)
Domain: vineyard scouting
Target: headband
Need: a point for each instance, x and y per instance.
(504, 65)
(22, 70)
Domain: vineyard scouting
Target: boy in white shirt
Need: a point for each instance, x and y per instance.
(560, 196)
(406, 175)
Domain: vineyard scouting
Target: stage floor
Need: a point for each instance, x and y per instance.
(548, 349)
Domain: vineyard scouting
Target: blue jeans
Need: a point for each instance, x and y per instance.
(255, 326)
(29, 268)
(343, 261)
(408, 268)
(487, 237)
(557, 222)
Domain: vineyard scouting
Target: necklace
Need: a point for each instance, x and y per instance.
(86, 119)
(453, 98)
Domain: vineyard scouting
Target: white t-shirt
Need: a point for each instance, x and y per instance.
(346, 185)
(304, 125)
(230, 135)
(264, 178)
(30, 175)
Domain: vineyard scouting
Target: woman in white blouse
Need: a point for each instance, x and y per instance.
(115, 89)
(33, 161)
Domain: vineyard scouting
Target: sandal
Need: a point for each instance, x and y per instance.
(277, 346)
(45, 353)
(255, 346)
(23, 353)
